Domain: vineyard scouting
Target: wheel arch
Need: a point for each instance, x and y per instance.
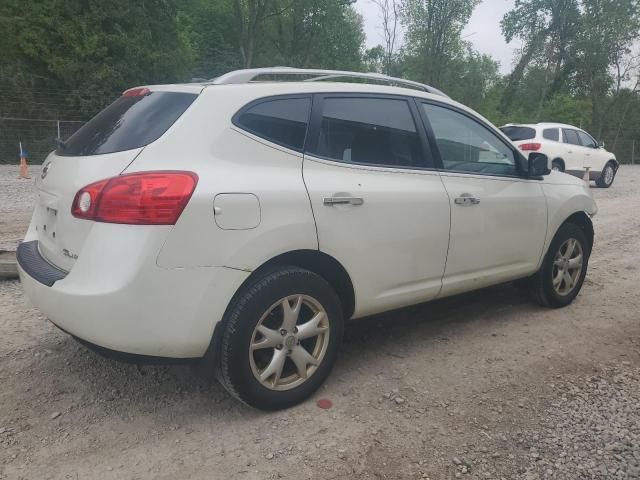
(321, 264)
(313, 260)
(582, 220)
(559, 159)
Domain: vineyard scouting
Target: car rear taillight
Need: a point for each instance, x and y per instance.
(145, 198)
(136, 92)
(530, 147)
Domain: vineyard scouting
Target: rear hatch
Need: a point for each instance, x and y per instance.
(519, 133)
(102, 148)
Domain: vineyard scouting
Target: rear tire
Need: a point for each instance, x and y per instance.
(557, 165)
(563, 269)
(279, 338)
(608, 175)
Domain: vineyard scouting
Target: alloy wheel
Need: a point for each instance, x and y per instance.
(608, 175)
(289, 342)
(567, 267)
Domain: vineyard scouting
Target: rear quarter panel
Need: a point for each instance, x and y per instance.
(229, 160)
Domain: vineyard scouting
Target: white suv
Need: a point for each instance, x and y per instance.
(241, 222)
(568, 148)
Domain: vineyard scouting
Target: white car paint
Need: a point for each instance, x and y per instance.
(574, 159)
(479, 257)
(387, 270)
(160, 290)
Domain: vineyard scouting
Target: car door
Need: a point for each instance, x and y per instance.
(575, 152)
(380, 208)
(592, 154)
(498, 217)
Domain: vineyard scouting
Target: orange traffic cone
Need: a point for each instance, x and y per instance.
(24, 168)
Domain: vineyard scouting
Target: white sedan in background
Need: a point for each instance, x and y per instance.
(569, 149)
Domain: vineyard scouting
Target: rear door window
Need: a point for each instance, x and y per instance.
(283, 121)
(517, 134)
(570, 136)
(132, 121)
(551, 134)
(370, 131)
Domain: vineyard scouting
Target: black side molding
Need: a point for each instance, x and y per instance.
(35, 266)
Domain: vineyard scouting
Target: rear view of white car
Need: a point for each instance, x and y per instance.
(569, 149)
(241, 223)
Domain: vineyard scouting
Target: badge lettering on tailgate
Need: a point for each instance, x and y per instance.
(67, 253)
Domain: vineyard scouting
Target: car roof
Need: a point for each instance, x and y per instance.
(258, 90)
(542, 125)
(271, 74)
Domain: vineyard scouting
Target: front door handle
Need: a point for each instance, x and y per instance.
(466, 200)
(330, 201)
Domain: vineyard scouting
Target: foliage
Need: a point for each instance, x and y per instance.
(68, 58)
(433, 35)
(577, 64)
(314, 33)
(98, 47)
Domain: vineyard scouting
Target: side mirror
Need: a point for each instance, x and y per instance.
(538, 165)
(600, 144)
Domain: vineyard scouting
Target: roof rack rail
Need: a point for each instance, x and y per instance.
(314, 75)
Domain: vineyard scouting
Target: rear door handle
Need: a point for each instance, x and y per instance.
(330, 201)
(466, 200)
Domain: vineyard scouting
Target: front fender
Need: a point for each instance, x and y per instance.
(564, 201)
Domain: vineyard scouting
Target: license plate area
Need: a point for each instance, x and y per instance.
(47, 220)
(49, 223)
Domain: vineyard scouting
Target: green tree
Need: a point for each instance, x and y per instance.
(433, 35)
(207, 28)
(548, 30)
(374, 59)
(608, 30)
(250, 17)
(314, 33)
(89, 45)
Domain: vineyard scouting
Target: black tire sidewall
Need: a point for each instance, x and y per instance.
(559, 164)
(239, 323)
(602, 182)
(566, 231)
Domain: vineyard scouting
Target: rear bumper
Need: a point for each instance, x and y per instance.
(34, 264)
(131, 305)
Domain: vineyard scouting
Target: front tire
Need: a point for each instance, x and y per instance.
(607, 176)
(280, 338)
(563, 269)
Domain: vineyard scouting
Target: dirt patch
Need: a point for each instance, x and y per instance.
(463, 387)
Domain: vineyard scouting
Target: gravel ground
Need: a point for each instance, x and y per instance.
(16, 202)
(483, 386)
(592, 429)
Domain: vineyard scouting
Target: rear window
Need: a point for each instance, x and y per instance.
(282, 121)
(129, 122)
(551, 134)
(516, 134)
